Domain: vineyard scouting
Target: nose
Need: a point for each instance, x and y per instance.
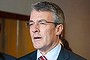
(35, 28)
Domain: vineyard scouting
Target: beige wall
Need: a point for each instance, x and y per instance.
(16, 6)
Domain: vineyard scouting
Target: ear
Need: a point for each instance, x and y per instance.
(59, 29)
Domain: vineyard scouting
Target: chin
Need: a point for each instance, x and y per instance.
(37, 47)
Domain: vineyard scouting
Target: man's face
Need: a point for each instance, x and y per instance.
(43, 35)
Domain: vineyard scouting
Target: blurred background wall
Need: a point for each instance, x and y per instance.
(77, 30)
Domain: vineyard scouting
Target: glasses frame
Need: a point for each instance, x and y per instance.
(28, 23)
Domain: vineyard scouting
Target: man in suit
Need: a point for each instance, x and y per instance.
(46, 26)
(4, 56)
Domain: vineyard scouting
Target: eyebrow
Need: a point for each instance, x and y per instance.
(30, 20)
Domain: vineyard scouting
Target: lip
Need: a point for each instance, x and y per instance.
(37, 38)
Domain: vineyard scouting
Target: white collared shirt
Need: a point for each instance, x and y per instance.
(52, 54)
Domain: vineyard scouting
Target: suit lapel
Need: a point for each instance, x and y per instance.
(33, 55)
(63, 55)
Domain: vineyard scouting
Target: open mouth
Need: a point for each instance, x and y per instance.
(37, 37)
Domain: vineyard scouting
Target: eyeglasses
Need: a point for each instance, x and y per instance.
(42, 23)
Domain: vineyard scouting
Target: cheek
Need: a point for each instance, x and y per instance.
(48, 35)
(45, 34)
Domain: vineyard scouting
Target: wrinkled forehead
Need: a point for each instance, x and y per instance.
(39, 15)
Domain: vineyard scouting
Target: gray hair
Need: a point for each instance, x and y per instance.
(48, 6)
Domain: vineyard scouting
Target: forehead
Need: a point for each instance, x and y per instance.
(38, 15)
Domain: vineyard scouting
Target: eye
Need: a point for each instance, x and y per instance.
(42, 22)
(31, 23)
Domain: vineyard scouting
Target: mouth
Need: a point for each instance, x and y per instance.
(37, 37)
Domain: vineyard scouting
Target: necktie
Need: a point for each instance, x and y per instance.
(42, 58)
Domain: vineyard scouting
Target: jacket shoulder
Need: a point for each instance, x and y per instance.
(4, 56)
(68, 55)
(74, 56)
(28, 56)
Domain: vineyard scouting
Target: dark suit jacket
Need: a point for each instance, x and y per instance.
(4, 56)
(63, 55)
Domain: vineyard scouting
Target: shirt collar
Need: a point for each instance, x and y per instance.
(52, 53)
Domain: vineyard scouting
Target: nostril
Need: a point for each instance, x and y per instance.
(36, 30)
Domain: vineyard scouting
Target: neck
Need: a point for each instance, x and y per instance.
(46, 49)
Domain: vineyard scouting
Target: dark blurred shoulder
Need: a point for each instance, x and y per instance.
(29, 56)
(4, 56)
